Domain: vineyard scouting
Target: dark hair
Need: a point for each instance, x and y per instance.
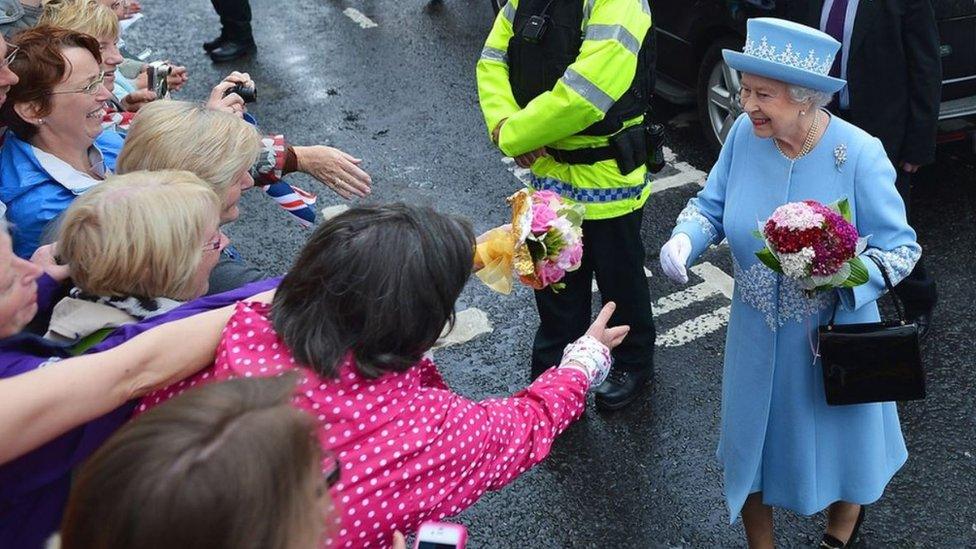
(40, 65)
(227, 465)
(380, 281)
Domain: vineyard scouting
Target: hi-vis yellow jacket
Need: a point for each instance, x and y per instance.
(604, 69)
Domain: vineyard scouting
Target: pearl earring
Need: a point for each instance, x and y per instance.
(803, 113)
(40, 121)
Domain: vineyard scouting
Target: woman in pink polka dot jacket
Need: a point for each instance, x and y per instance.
(365, 301)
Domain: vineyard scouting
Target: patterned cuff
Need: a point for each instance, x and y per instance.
(593, 356)
(691, 214)
(271, 162)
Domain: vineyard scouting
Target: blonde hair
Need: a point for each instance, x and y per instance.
(87, 16)
(139, 234)
(176, 135)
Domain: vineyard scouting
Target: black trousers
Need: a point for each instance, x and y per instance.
(917, 290)
(614, 252)
(235, 19)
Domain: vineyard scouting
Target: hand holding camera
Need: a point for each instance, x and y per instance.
(231, 95)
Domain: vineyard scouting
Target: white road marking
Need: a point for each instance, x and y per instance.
(359, 18)
(695, 328)
(469, 324)
(715, 277)
(679, 179)
(331, 211)
(684, 298)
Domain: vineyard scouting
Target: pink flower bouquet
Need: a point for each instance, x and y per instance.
(815, 245)
(543, 243)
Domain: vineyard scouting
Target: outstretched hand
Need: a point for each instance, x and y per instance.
(338, 170)
(611, 337)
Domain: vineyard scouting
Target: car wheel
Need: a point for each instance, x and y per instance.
(497, 5)
(718, 92)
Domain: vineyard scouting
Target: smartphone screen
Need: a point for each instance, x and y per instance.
(435, 545)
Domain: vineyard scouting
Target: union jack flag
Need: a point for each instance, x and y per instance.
(295, 201)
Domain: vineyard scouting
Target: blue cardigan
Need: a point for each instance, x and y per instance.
(32, 196)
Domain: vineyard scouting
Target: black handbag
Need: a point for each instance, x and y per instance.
(873, 362)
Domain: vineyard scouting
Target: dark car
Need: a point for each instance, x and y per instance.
(690, 70)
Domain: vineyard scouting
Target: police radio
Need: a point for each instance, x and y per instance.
(535, 29)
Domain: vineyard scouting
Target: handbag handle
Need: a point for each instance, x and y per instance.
(899, 306)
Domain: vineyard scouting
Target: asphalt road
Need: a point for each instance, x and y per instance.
(402, 95)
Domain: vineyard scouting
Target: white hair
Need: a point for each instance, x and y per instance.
(817, 99)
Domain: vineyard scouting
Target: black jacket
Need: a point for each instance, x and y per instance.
(894, 73)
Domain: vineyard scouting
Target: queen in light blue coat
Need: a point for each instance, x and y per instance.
(781, 444)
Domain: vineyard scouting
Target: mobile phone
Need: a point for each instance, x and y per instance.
(441, 535)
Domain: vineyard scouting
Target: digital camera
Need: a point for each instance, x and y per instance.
(247, 92)
(156, 73)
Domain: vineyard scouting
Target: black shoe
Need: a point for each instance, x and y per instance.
(830, 542)
(924, 321)
(620, 389)
(233, 49)
(215, 43)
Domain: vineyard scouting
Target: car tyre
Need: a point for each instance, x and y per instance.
(718, 92)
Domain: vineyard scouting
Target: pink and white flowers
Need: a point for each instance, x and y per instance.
(554, 238)
(814, 244)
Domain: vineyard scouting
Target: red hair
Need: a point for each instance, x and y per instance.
(40, 64)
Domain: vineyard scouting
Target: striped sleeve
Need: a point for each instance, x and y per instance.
(598, 77)
(494, 90)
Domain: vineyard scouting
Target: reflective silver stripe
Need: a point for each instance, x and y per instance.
(494, 54)
(587, 10)
(509, 12)
(645, 7)
(614, 32)
(588, 90)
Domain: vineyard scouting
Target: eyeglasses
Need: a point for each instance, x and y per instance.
(90, 89)
(11, 55)
(119, 4)
(330, 475)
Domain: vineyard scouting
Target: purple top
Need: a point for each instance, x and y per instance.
(34, 487)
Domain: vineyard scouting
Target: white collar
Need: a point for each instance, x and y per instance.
(70, 178)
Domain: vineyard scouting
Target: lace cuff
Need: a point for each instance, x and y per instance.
(590, 356)
(691, 214)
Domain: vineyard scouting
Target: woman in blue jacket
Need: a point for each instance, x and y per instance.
(54, 148)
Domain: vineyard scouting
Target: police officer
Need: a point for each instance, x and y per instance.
(236, 39)
(564, 86)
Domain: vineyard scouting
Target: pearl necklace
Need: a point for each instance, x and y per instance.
(807, 143)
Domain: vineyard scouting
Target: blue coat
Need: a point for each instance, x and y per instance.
(32, 196)
(778, 434)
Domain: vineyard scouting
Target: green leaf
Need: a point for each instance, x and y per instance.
(859, 273)
(769, 260)
(844, 207)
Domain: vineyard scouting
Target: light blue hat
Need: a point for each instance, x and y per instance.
(788, 52)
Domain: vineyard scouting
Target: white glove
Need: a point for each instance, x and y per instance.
(674, 256)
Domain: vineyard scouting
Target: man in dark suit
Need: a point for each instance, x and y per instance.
(235, 40)
(890, 59)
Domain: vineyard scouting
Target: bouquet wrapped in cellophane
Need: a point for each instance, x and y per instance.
(543, 243)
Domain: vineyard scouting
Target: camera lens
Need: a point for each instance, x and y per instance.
(247, 93)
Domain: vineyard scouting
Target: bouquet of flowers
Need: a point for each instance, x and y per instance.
(814, 244)
(543, 243)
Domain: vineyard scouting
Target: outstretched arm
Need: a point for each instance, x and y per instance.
(70, 392)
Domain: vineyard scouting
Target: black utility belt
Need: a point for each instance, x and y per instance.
(632, 147)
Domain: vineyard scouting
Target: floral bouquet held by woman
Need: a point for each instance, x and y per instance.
(815, 245)
(542, 244)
